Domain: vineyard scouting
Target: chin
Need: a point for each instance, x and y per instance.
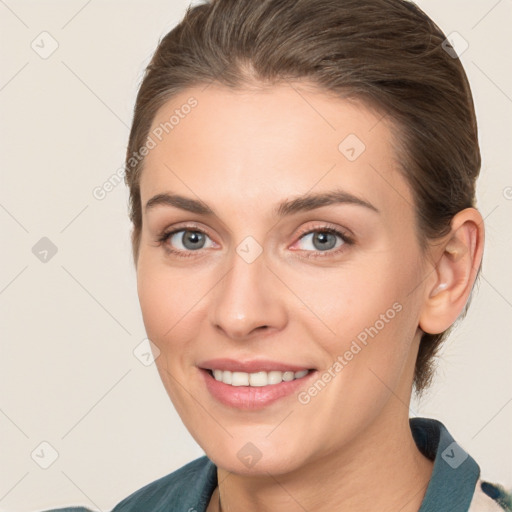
(262, 467)
(260, 456)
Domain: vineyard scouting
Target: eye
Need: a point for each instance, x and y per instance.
(185, 240)
(319, 242)
(323, 240)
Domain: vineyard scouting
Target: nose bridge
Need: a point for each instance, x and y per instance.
(247, 298)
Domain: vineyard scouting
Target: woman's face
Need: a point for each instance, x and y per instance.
(256, 278)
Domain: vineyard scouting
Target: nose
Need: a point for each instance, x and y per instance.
(248, 300)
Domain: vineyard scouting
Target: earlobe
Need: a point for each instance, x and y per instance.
(450, 285)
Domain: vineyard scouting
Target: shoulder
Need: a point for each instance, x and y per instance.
(489, 497)
(189, 487)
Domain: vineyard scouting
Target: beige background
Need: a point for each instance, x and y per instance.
(68, 374)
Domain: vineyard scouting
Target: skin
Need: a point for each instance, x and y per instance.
(242, 152)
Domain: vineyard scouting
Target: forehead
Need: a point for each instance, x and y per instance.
(261, 145)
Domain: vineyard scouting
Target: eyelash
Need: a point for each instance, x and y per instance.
(347, 240)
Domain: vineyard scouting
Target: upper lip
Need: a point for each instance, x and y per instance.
(252, 366)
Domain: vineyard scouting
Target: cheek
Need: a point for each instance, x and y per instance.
(169, 299)
(352, 298)
(365, 310)
(371, 326)
(156, 302)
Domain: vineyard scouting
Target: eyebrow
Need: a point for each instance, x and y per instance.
(303, 203)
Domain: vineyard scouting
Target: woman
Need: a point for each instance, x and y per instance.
(302, 189)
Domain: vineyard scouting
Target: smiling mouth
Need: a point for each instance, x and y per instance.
(256, 379)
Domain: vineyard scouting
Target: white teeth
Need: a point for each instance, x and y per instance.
(257, 379)
(239, 379)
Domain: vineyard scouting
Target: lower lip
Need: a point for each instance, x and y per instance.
(252, 397)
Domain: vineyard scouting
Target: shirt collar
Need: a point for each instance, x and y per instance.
(455, 472)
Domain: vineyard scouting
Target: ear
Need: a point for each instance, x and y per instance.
(451, 281)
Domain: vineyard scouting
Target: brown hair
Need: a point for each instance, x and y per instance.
(387, 53)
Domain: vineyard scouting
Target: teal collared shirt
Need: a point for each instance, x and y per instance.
(451, 487)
